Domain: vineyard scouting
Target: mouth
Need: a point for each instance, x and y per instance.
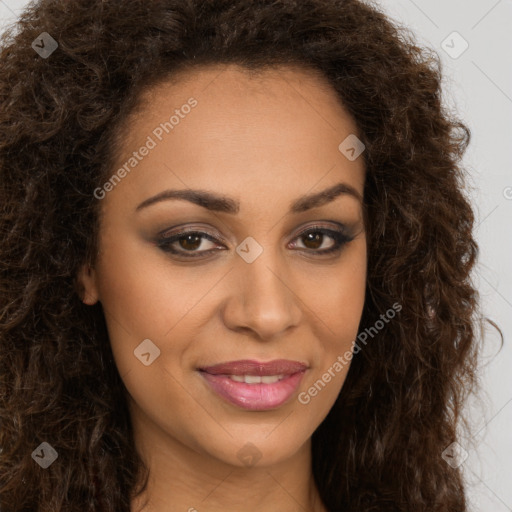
(254, 385)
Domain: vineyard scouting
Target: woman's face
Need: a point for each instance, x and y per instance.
(258, 285)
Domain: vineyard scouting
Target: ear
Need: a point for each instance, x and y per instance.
(87, 288)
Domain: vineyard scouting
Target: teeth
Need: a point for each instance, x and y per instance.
(252, 379)
(270, 379)
(256, 379)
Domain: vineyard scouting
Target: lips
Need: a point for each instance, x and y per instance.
(255, 385)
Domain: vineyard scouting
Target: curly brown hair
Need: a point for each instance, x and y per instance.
(380, 446)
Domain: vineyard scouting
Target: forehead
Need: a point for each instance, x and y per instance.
(298, 97)
(265, 131)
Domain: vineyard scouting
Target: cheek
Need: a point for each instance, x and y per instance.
(143, 296)
(337, 311)
(339, 301)
(138, 300)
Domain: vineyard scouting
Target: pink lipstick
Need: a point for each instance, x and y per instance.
(255, 385)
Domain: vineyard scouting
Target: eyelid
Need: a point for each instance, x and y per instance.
(187, 229)
(190, 228)
(331, 225)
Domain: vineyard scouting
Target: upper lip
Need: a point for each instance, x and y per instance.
(251, 367)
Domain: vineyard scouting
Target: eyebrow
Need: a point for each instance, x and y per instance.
(220, 203)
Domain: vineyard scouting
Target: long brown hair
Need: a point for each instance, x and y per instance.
(380, 447)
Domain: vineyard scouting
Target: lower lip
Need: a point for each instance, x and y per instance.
(254, 397)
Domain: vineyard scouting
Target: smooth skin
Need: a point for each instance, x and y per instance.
(263, 141)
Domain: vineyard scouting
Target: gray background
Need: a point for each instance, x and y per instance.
(478, 84)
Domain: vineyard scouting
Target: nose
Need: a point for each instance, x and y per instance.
(264, 300)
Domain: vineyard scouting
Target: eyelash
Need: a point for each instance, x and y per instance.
(340, 240)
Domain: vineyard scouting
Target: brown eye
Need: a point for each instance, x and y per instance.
(314, 238)
(190, 244)
(188, 241)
